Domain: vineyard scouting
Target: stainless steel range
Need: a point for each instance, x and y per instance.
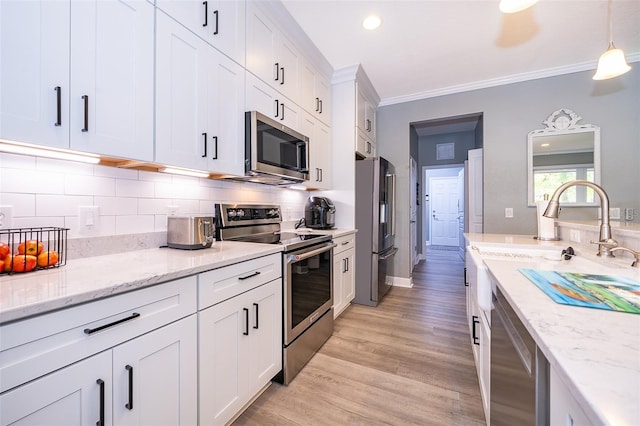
(306, 277)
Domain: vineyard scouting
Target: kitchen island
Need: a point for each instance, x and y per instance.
(594, 352)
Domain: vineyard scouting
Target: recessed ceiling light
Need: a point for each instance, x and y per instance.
(371, 22)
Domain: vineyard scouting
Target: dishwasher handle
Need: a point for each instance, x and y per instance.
(525, 355)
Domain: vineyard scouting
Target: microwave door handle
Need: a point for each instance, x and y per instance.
(301, 153)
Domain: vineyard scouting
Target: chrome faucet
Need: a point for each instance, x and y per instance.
(605, 242)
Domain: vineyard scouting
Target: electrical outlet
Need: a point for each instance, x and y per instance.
(173, 210)
(614, 213)
(574, 235)
(628, 214)
(508, 212)
(6, 217)
(88, 219)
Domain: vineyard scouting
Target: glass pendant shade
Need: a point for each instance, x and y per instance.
(612, 63)
(513, 6)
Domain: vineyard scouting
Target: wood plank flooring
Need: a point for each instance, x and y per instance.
(406, 362)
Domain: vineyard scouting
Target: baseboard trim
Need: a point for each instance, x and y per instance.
(402, 282)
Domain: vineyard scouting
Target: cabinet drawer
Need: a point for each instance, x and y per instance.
(36, 346)
(223, 283)
(343, 243)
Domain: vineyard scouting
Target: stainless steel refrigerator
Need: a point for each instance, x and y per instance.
(375, 222)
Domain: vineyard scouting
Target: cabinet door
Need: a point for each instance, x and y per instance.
(220, 22)
(323, 99)
(226, 116)
(365, 146)
(319, 151)
(34, 71)
(338, 274)
(70, 396)
(223, 349)
(111, 100)
(182, 81)
(263, 98)
(348, 280)
(288, 59)
(262, 38)
(265, 334)
(155, 377)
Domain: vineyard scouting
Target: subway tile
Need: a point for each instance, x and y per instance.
(182, 191)
(115, 172)
(60, 205)
(134, 224)
(42, 221)
(188, 206)
(207, 207)
(89, 185)
(160, 222)
(23, 204)
(134, 188)
(14, 161)
(117, 205)
(64, 166)
(31, 181)
(154, 176)
(153, 205)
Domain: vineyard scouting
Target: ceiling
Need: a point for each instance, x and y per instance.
(427, 48)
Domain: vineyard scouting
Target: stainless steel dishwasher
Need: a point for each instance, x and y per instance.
(519, 370)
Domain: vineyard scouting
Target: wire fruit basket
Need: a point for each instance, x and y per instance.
(30, 249)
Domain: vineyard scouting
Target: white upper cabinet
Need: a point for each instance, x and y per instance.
(34, 72)
(111, 104)
(265, 99)
(199, 103)
(319, 152)
(73, 79)
(271, 56)
(221, 23)
(315, 93)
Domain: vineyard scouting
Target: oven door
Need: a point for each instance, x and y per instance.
(308, 284)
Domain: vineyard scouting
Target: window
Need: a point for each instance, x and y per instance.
(547, 179)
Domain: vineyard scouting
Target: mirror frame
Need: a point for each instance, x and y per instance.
(562, 122)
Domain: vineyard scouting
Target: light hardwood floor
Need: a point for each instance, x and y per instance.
(406, 362)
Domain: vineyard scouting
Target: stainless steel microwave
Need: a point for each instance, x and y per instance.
(274, 153)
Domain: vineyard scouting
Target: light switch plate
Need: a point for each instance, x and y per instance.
(508, 212)
(6, 217)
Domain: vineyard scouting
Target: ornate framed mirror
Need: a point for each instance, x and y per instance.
(564, 150)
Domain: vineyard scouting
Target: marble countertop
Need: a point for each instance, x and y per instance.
(335, 233)
(86, 279)
(595, 352)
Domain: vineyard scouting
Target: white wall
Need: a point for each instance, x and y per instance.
(46, 192)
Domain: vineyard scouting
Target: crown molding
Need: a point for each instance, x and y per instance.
(516, 78)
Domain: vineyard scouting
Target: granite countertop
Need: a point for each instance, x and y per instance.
(83, 280)
(595, 352)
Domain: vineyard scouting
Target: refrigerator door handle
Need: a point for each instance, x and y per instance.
(393, 204)
(392, 252)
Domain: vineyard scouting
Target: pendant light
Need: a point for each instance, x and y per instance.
(612, 63)
(513, 6)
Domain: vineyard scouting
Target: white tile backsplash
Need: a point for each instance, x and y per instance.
(45, 192)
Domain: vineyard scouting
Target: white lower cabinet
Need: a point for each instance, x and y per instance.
(240, 344)
(344, 269)
(564, 409)
(149, 380)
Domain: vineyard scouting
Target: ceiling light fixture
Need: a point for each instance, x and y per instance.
(612, 63)
(513, 6)
(372, 22)
(37, 151)
(183, 172)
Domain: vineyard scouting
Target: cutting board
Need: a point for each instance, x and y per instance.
(588, 290)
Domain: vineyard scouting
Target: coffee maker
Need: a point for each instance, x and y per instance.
(319, 213)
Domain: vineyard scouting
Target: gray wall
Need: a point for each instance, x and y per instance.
(510, 112)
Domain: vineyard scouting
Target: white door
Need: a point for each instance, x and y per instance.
(461, 182)
(111, 104)
(70, 396)
(155, 379)
(475, 188)
(413, 219)
(444, 211)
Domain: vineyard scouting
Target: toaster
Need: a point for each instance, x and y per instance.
(190, 232)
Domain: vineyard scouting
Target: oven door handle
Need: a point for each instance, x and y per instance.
(305, 255)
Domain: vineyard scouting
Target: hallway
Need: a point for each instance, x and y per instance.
(406, 362)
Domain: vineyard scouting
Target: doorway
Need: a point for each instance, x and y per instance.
(443, 206)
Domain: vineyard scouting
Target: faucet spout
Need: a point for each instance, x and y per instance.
(553, 211)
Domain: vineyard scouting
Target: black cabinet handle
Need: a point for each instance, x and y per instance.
(321, 175)
(255, 305)
(249, 276)
(277, 66)
(246, 321)
(215, 141)
(111, 324)
(466, 283)
(206, 13)
(204, 141)
(86, 113)
(282, 109)
(100, 383)
(58, 106)
(282, 69)
(129, 405)
(476, 339)
(215, 13)
(317, 104)
(277, 108)
(320, 106)
(347, 260)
